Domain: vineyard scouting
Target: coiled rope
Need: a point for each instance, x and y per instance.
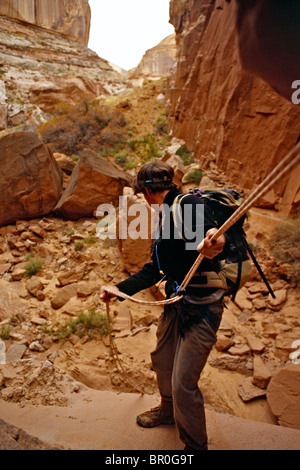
(290, 161)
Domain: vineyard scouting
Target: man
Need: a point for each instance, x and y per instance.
(187, 329)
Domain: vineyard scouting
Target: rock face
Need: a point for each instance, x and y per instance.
(157, 61)
(283, 395)
(70, 17)
(41, 68)
(94, 181)
(265, 52)
(30, 180)
(218, 107)
(13, 438)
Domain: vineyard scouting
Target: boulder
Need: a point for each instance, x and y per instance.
(176, 163)
(261, 373)
(239, 350)
(71, 275)
(283, 395)
(63, 295)
(30, 180)
(49, 93)
(255, 344)
(280, 298)
(135, 248)
(223, 343)
(35, 287)
(248, 391)
(94, 181)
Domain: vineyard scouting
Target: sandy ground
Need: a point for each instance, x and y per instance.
(99, 420)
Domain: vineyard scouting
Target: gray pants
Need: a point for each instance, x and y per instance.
(178, 361)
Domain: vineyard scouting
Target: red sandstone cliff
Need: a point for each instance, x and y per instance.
(70, 17)
(216, 106)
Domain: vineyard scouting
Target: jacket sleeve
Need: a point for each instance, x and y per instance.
(146, 277)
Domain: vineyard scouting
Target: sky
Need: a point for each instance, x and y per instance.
(122, 30)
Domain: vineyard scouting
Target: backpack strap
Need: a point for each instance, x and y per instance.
(260, 270)
(177, 212)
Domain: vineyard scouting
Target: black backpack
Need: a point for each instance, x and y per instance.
(235, 270)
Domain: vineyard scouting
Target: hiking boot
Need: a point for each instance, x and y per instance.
(161, 414)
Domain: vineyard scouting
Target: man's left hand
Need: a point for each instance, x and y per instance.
(211, 248)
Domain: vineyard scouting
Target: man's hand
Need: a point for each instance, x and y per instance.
(211, 248)
(105, 295)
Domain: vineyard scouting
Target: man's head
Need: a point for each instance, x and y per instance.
(154, 177)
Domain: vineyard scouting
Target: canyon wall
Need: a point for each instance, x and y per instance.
(220, 109)
(157, 61)
(69, 17)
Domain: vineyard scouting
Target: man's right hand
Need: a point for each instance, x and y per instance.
(105, 295)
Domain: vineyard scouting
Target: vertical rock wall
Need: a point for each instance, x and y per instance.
(216, 106)
(70, 17)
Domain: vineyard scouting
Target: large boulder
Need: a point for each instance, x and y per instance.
(94, 181)
(30, 179)
(283, 395)
(135, 224)
(48, 93)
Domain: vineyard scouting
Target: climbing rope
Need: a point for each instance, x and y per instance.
(115, 355)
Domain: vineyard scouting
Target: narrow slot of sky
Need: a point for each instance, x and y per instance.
(122, 30)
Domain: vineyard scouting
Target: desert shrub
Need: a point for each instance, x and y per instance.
(33, 265)
(78, 245)
(88, 125)
(112, 127)
(5, 332)
(185, 154)
(88, 324)
(285, 244)
(194, 177)
(161, 124)
(90, 240)
(145, 147)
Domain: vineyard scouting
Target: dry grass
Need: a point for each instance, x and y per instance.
(285, 245)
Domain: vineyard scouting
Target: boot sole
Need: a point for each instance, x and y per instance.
(153, 424)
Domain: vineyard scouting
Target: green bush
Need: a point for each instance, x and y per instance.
(5, 331)
(90, 240)
(33, 265)
(145, 147)
(78, 245)
(185, 154)
(161, 125)
(285, 244)
(88, 324)
(194, 176)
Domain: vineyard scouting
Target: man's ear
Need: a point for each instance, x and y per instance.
(148, 192)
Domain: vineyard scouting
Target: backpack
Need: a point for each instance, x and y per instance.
(235, 270)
